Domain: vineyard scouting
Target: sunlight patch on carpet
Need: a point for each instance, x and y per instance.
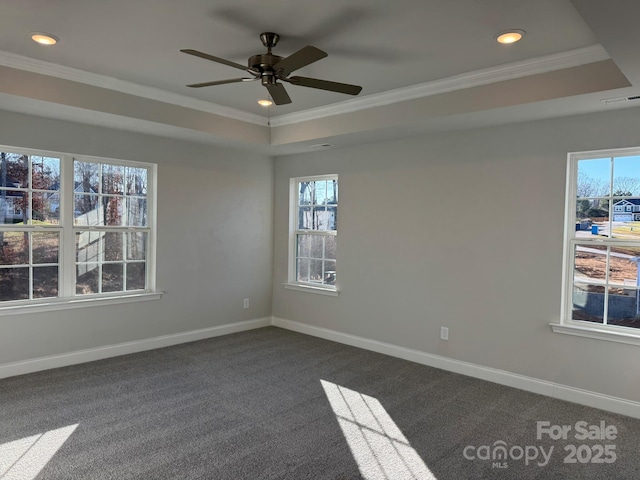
(24, 459)
(377, 444)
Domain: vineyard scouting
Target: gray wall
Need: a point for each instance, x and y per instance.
(214, 241)
(462, 230)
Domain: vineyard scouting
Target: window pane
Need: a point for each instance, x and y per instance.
(46, 246)
(320, 196)
(14, 284)
(623, 270)
(305, 193)
(330, 247)
(86, 210)
(136, 276)
(137, 212)
(330, 272)
(594, 178)
(623, 307)
(590, 213)
(46, 208)
(113, 179)
(87, 246)
(315, 271)
(136, 181)
(12, 206)
(332, 218)
(626, 176)
(86, 176)
(14, 170)
(332, 192)
(136, 246)
(45, 282)
(588, 303)
(112, 210)
(305, 218)
(321, 218)
(112, 246)
(303, 269)
(112, 277)
(590, 263)
(14, 249)
(626, 219)
(303, 246)
(87, 275)
(316, 246)
(45, 173)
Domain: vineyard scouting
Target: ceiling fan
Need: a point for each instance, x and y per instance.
(269, 68)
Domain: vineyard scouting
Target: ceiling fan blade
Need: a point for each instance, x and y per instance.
(326, 85)
(278, 93)
(297, 60)
(221, 82)
(206, 56)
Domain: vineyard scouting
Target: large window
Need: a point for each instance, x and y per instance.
(73, 227)
(602, 244)
(314, 229)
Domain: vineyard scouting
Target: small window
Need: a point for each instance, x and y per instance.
(602, 252)
(314, 231)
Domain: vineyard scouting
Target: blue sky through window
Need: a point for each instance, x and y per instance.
(600, 169)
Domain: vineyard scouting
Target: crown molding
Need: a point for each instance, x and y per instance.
(486, 76)
(20, 62)
(532, 66)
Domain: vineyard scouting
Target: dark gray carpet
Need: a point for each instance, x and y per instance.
(252, 406)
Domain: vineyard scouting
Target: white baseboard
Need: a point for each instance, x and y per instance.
(82, 356)
(550, 389)
(530, 384)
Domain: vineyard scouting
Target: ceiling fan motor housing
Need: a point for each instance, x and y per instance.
(264, 63)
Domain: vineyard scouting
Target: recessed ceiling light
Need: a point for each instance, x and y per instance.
(510, 36)
(265, 103)
(44, 38)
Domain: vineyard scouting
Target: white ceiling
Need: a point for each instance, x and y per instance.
(400, 52)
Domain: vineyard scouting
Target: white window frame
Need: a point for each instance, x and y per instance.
(67, 297)
(567, 325)
(292, 281)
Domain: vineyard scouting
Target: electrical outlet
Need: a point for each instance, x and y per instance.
(444, 333)
(245, 303)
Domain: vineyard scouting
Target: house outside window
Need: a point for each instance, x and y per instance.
(74, 227)
(601, 287)
(313, 232)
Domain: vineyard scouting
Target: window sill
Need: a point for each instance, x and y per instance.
(597, 333)
(311, 289)
(49, 305)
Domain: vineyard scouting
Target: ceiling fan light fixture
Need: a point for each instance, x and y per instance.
(44, 38)
(265, 103)
(510, 36)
